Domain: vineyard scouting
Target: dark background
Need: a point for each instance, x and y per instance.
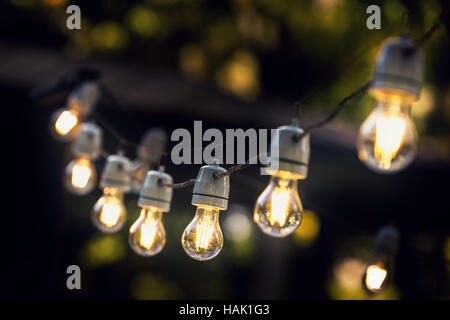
(321, 50)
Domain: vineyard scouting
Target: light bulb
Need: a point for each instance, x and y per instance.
(375, 277)
(387, 139)
(278, 210)
(65, 124)
(138, 173)
(147, 235)
(202, 239)
(80, 176)
(109, 213)
(377, 274)
(379, 271)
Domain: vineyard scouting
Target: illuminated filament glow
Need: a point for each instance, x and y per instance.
(279, 207)
(110, 214)
(204, 232)
(65, 122)
(389, 136)
(148, 233)
(375, 277)
(80, 176)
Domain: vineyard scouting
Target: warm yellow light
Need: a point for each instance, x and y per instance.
(110, 214)
(204, 232)
(279, 207)
(65, 122)
(202, 239)
(389, 136)
(309, 230)
(375, 276)
(148, 233)
(80, 175)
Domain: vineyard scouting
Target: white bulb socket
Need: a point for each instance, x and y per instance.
(210, 191)
(84, 97)
(153, 194)
(116, 173)
(292, 158)
(399, 69)
(89, 141)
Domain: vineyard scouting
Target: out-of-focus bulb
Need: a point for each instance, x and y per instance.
(202, 239)
(380, 270)
(65, 124)
(147, 235)
(80, 176)
(387, 139)
(375, 277)
(109, 213)
(278, 210)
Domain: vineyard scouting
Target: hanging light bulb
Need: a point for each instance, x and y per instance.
(149, 155)
(379, 271)
(66, 122)
(109, 213)
(202, 239)
(80, 174)
(147, 235)
(387, 140)
(278, 210)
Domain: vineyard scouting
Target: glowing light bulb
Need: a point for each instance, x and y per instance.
(109, 213)
(147, 235)
(374, 277)
(278, 210)
(80, 176)
(387, 139)
(65, 124)
(202, 239)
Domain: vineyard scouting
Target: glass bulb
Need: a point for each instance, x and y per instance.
(387, 140)
(109, 213)
(374, 277)
(147, 235)
(202, 239)
(80, 176)
(65, 124)
(278, 210)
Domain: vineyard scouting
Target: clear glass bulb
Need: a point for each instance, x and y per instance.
(147, 235)
(80, 176)
(202, 239)
(378, 274)
(278, 210)
(387, 140)
(64, 124)
(109, 213)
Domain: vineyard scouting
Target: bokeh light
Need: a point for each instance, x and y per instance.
(147, 286)
(309, 229)
(103, 250)
(240, 75)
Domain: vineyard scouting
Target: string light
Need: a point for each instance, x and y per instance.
(387, 140)
(147, 234)
(387, 143)
(278, 210)
(80, 173)
(202, 239)
(66, 122)
(380, 270)
(149, 153)
(109, 212)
